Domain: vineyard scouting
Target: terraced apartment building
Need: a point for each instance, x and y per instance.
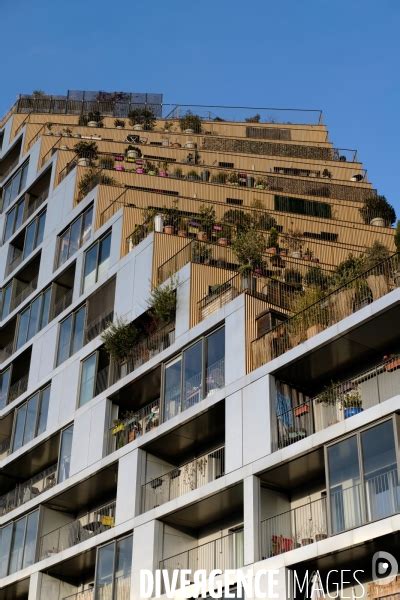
(242, 410)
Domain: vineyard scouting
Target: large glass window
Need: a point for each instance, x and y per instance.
(34, 317)
(65, 453)
(31, 418)
(113, 569)
(18, 544)
(88, 379)
(96, 261)
(195, 373)
(300, 206)
(14, 219)
(71, 336)
(5, 378)
(15, 185)
(74, 236)
(6, 300)
(34, 234)
(363, 479)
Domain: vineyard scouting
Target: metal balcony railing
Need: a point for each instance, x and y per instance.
(98, 325)
(86, 527)
(24, 293)
(31, 488)
(183, 479)
(144, 350)
(62, 303)
(135, 425)
(298, 416)
(223, 553)
(84, 595)
(342, 302)
(6, 351)
(345, 508)
(119, 589)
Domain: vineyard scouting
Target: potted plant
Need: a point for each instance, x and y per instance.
(233, 178)
(168, 126)
(392, 362)
(94, 119)
(90, 179)
(190, 123)
(327, 174)
(224, 235)
(178, 173)
(201, 253)
(219, 178)
(351, 403)
(294, 278)
(163, 303)
(106, 162)
(86, 152)
(132, 153)
(248, 246)
(192, 175)
(310, 316)
(377, 211)
(261, 184)
(295, 243)
(119, 123)
(376, 279)
(150, 168)
(48, 128)
(254, 119)
(163, 169)
(142, 119)
(206, 219)
(119, 340)
(273, 241)
(182, 226)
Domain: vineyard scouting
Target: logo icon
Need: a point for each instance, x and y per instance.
(384, 568)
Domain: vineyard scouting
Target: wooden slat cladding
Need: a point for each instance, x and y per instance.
(253, 307)
(201, 278)
(165, 246)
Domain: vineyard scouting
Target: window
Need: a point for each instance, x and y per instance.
(18, 544)
(234, 201)
(34, 234)
(96, 261)
(94, 376)
(300, 206)
(15, 185)
(74, 236)
(14, 219)
(5, 378)
(113, 569)
(33, 318)
(71, 334)
(363, 477)
(65, 454)
(195, 373)
(6, 300)
(31, 418)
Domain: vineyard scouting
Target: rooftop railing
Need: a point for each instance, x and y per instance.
(223, 553)
(183, 479)
(98, 325)
(345, 508)
(298, 416)
(86, 527)
(342, 302)
(23, 492)
(121, 108)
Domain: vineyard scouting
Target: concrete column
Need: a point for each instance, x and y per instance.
(146, 554)
(130, 471)
(251, 513)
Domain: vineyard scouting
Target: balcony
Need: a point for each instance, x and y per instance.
(345, 509)
(342, 302)
(183, 479)
(134, 426)
(29, 489)
(298, 416)
(84, 528)
(120, 590)
(223, 553)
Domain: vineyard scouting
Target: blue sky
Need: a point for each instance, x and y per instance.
(342, 56)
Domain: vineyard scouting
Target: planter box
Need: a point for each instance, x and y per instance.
(392, 365)
(302, 410)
